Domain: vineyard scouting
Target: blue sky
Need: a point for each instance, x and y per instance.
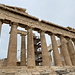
(61, 12)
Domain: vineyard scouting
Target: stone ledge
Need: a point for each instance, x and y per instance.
(67, 70)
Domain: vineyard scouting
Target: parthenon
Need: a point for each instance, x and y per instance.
(37, 52)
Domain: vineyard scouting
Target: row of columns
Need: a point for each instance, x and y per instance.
(65, 52)
(12, 49)
(30, 56)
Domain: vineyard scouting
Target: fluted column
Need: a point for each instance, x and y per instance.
(65, 52)
(0, 26)
(57, 59)
(62, 58)
(12, 49)
(30, 49)
(45, 55)
(71, 50)
(23, 50)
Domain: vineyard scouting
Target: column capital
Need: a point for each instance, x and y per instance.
(28, 27)
(67, 38)
(14, 23)
(22, 34)
(59, 35)
(51, 33)
(41, 31)
(73, 39)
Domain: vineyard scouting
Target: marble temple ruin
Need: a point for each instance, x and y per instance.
(37, 53)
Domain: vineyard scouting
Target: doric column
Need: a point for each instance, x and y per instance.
(57, 59)
(23, 50)
(71, 50)
(62, 58)
(0, 26)
(45, 55)
(65, 52)
(12, 49)
(30, 49)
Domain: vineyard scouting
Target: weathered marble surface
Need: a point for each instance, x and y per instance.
(37, 70)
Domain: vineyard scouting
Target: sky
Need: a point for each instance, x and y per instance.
(61, 12)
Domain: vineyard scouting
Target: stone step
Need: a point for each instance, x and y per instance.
(37, 71)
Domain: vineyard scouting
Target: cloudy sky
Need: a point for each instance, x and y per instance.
(61, 12)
